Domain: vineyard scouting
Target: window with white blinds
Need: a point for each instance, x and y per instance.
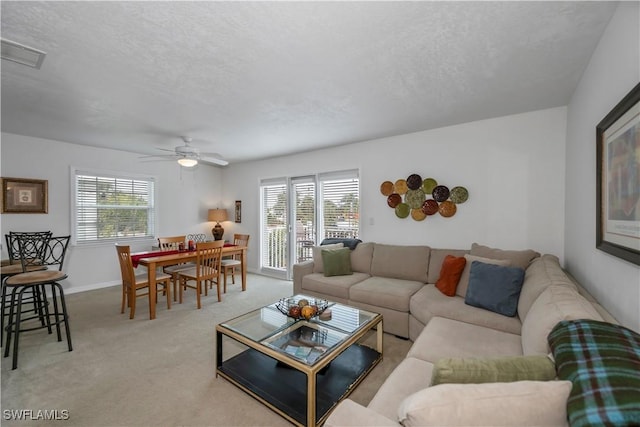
(340, 195)
(108, 207)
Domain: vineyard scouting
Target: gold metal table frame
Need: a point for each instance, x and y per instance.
(273, 376)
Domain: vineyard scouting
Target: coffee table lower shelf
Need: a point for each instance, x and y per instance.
(284, 389)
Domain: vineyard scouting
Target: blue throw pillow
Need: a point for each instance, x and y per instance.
(494, 287)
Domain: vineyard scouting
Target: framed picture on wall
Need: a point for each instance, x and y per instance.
(20, 195)
(618, 180)
(238, 211)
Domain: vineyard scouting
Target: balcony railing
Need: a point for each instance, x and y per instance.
(276, 244)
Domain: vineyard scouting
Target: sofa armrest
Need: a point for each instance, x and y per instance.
(299, 271)
(351, 414)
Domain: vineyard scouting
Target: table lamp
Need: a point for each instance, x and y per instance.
(217, 215)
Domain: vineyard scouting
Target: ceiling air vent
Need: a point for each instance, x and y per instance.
(22, 54)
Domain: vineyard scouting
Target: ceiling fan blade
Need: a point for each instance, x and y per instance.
(166, 149)
(214, 158)
(164, 156)
(157, 160)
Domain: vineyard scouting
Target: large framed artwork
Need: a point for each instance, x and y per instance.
(20, 195)
(618, 180)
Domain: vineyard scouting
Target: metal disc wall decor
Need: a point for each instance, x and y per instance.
(414, 181)
(394, 200)
(402, 210)
(440, 193)
(459, 194)
(430, 207)
(400, 186)
(415, 198)
(386, 188)
(421, 198)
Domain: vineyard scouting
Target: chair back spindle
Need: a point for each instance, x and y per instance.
(126, 265)
(208, 258)
(170, 243)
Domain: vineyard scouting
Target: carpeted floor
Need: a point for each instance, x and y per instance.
(148, 373)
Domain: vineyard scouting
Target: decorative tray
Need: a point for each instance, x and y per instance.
(304, 308)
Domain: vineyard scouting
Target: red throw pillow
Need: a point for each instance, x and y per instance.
(450, 273)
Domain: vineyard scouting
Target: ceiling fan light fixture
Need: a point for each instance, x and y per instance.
(187, 162)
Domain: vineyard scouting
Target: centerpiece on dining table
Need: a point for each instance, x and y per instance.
(302, 309)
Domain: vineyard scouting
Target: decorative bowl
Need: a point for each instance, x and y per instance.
(303, 308)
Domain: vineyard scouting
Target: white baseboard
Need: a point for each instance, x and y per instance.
(92, 287)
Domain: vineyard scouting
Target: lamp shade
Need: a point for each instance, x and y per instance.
(217, 215)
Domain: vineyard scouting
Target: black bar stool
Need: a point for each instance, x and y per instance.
(39, 282)
(34, 246)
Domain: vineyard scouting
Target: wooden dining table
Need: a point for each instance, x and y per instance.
(155, 260)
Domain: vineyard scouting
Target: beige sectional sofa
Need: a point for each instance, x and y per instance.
(398, 281)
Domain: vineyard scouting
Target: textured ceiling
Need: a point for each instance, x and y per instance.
(259, 79)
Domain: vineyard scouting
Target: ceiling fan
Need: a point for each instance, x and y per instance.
(188, 156)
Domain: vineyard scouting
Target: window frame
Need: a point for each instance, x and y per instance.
(102, 173)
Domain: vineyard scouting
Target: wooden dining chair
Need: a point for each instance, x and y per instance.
(207, 270)
(173, 244)
(132, 283)
(229, 265)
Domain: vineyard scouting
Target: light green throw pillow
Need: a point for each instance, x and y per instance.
(490, 370)
(337, 262)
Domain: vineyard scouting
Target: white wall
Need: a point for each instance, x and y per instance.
(183, 199)
(613, 71)
(512, 166)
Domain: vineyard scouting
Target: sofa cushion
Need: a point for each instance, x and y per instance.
(318, 265)
(554, 304)
(336, 286)
(463, 284)
(429, 302)
(452, 338)
(518, 258)
(361, 257)
(351, 414)
(436, 257)
(450, 273)
(348, 243)
(337, 262)
(410, 376)
(602, 361)
(541, 273)
(400, 262)
(494, 287)
(539, 403)
(504, 369)
(385, 292)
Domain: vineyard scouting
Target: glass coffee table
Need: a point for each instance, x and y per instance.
(300, 369)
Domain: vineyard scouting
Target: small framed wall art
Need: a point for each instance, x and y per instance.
(618, 180)
(20, 195)
(238, 211)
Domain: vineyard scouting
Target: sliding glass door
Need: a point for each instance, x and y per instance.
(274, 227)
(299, 212)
